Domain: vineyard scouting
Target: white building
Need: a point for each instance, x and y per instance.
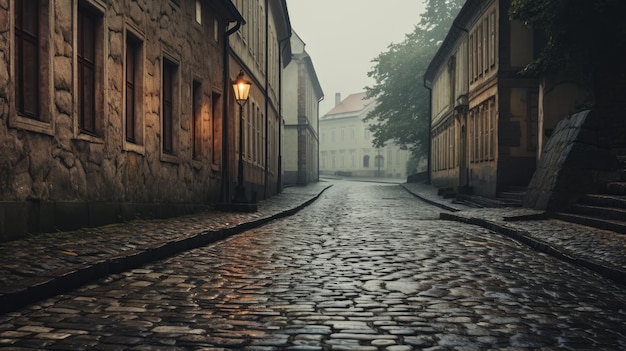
(301, 96)
(346, 143)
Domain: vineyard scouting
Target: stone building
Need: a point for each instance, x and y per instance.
(117, 109)
(346, 143)
(484, 116)
(301, 95)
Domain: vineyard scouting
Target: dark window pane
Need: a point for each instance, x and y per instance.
(168, 73)
(27, 58)
(197, 115)
(167, 128)
(130, 114)
(31, 78)
(88, 101)
(86, 71)
(131, 56)
(29, 16)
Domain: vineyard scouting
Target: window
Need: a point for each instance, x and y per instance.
(216, 30)
(260, 136)
(30, 62)
(482, 132)
(216, 115)
(492, 39)
(27, 58)
(134, 94)
(379, 161)
(247, 132)
(86, 59)
(479, 48)
(470, 58)
(366, 161)
(196, 115)
(167, 133)
(198, 11)
(485, 53)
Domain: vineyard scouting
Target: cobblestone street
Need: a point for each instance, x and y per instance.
(365, 267)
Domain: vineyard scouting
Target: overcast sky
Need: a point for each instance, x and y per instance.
(343, 36)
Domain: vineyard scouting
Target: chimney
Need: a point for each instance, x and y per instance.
(337, 99)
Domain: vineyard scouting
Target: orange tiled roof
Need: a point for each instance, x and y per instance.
(353, 103)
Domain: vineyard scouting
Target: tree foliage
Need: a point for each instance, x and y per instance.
(402, 111)
(583, 37)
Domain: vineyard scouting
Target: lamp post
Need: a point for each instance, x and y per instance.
(241, 88)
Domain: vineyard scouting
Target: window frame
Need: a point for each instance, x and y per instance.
(45, 91)
(216, 128)
(137, 144)
(169, 70)
(197, 135)
(86, 57)
(97, 9)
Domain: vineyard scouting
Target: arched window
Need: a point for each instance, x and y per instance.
(366, 161)
(379, 161)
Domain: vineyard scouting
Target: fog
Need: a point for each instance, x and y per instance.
(344, 36)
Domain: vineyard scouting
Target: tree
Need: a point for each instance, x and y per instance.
(402, 111)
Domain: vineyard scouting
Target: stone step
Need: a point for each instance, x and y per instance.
(609, 213)
(602, 200)
(615, 226)
(616, 188)
(512, 195)
(486, 202)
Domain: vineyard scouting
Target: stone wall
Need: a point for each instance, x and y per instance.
(575, 160)
(52, 176)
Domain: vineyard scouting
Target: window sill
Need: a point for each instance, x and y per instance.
(22, 122)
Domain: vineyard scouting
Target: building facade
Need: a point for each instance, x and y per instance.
(114, 109)
(301, 96)
(260, 49)
(346, 143)
(484, 116)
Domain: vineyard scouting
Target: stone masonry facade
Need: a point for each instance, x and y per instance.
(56, 175)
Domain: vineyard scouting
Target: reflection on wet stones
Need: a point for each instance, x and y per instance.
(366, 267)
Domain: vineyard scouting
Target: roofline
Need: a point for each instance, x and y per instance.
(283, 29)
(231, 9)
(459, 27)
(315, 80)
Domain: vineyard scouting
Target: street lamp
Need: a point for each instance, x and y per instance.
(241, 87)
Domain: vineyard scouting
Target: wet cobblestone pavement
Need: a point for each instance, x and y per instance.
(602, 249)
(46, 264)
(365, 267)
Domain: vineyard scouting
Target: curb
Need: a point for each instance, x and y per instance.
(431, 202)
(613, 274)
(64, 280)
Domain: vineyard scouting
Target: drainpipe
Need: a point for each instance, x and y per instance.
(280, 113)
(225, 194)
(267, 89)
(430, 124)
(318, 137)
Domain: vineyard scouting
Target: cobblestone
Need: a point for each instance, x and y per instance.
(366, 267)
(601, 248)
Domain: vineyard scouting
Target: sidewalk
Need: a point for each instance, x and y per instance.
(599, 250)
(50, 264)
